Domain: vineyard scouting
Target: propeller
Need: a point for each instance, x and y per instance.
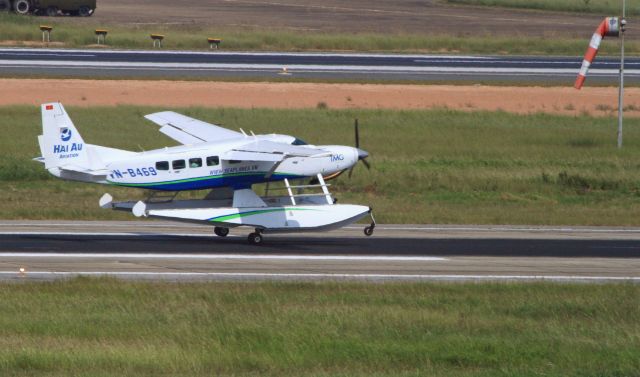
(362, 154)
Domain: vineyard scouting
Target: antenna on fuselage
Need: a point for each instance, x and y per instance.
(244, 133)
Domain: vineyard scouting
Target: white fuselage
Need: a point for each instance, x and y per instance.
(203, 166)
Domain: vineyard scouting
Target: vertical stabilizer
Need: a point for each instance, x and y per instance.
(60, 143)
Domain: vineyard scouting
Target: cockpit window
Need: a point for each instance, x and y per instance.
(298, 142)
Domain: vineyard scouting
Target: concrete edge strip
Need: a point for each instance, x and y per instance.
(243, 53)
(323, 276)
(222, 256)
(429, 228)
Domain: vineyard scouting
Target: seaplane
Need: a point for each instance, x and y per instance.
(222, 162)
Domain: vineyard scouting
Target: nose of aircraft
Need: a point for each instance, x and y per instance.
(362, 154)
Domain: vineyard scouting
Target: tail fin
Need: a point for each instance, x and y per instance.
(66, 155)
(61, 144)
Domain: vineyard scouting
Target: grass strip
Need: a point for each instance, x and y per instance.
(429, 166)
(105, 327)
(24, 31)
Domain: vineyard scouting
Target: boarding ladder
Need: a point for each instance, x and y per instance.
(299, 188)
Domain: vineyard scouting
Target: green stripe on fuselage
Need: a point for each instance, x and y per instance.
(256, 212)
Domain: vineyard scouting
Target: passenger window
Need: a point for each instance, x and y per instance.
(162, 165)
(195, 162)
(213, 161)
(178, 164)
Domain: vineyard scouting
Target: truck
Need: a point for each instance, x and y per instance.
(82, 8)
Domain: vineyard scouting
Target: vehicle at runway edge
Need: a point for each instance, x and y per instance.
(212, 158)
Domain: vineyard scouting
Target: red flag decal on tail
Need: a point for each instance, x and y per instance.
(49, 107)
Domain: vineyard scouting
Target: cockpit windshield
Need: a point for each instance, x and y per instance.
(298, 142)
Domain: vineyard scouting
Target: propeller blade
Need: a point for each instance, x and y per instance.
(351, 171)
(366, 163)
(357, 134)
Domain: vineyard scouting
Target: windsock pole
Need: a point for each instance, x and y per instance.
(623, 23)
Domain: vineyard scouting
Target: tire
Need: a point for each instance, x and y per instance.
(85, 11)
(52, 11)
(21, 6)
(5, 6)
(220, 231)
(368, 231)
(255, 239)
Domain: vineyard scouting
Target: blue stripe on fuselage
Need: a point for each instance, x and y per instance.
(202, 183)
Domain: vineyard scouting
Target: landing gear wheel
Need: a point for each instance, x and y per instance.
(85, 11)
(221, 232)
(52, 11)
(369, 230)
(255, 239)
(21, 6)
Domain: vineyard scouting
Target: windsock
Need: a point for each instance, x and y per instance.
(609, 27)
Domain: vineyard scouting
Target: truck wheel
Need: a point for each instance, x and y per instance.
(5, 6)
(21, 6)
(52, 11)
(85, 11)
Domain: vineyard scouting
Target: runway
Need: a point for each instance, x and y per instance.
(378, 67)
(178, 252)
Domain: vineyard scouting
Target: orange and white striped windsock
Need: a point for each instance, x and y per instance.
(609, 27)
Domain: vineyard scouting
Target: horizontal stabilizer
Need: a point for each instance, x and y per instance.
(79, 169)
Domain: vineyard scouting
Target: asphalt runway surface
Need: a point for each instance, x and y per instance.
(178, 252)
(379, 67)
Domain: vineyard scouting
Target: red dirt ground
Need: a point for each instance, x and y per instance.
(598, 101)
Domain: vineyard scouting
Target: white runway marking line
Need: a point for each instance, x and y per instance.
(90, 224)
(71, 64)
(326, 276)
(224, 256)
(51, 54)
(504, 229)
(112, 234)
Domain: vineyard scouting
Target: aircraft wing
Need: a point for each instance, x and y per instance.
(186, 130)
(264, 150)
